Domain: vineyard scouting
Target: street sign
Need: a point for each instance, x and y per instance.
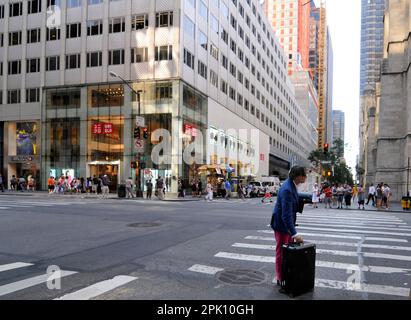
(139, 145)
(140, 121)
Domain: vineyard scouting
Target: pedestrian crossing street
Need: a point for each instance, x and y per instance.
(48, 280)
(358, 253)
(6, 205)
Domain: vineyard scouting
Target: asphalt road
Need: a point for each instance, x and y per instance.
(151, 250)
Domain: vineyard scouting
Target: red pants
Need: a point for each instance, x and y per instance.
(280, 238)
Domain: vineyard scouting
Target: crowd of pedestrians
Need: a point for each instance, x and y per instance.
(344, 195)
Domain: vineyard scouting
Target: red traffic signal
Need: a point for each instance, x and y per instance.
(325, 147)
(145, 133)
(133, 165)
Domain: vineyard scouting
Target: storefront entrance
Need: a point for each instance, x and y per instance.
(111, 169)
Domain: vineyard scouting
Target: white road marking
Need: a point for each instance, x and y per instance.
(361, 287)
(348, 217)
(16, 265)
(98, 288)
(4, 208)
(336, 243)
(30, 282)
(377, 223)
(325, 235)
(352, 226)
(318, 263)
(356, 231)
(204, 269)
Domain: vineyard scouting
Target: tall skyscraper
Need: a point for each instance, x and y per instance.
(372, 43)
(290, 20)
(338, 125)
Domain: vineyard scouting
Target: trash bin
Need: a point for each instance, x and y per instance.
(406, 203)
(121, 191)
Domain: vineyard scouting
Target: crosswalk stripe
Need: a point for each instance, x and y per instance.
(347, 217)
(326, 235)
(352, 226)
(98, 288)
(16, 265)
(318, 263)
(361, 287)
(30, 282)
(336, 243)
(356, 231)
(384, 223)
(330, 252)
(204, 269)
(4, 208)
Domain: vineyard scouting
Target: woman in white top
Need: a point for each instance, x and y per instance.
(316, 197)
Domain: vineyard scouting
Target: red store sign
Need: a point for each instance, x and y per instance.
(102, 128)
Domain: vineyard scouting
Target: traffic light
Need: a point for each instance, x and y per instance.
(137, 133)
(325, 147)
(133, 165)
(145, 133)
(329, 174)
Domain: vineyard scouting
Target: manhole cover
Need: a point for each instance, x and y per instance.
(143, 225)
(241, 277)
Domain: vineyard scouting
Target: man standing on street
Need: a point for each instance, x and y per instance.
(285, 215)
(149, 186)
(129, 188)
(104, 186)
(160, 187)
(227, 187)
(371, 195)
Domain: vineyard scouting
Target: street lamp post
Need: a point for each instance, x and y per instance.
(139, 192)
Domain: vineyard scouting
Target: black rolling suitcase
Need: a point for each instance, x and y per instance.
(298, 268)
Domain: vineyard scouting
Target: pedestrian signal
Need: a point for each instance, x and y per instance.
(329, 173)
(137, 133)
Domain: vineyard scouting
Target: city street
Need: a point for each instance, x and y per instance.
(140, 249)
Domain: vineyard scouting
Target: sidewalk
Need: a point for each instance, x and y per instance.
(44, 194)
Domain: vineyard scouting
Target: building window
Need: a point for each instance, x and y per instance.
(203, 10)
(224, 86)
(94, 27)
(1, 40)
(139, 55)
(188, 59)
(214, 78)
(1, 68)
(224, 11)
(203, 40)
(33, 95)
(13, 96)
(163, 53)
(53, 3)
(73, 3)
(240, 99)
(116, 57)
(232, 69)
(202, 69)
(214, 24)
(105, 96)
(33, 35)
(233, 22)
(33, 65)
(14, 38)
(91, 2)
(189, 27)
(72, 61)
(14, 67)
(139, 22)
(164, 19)
(224, 36)
(116, 25)
(2, 12)
(164, 92)
(52, 34)
(233, 46)
(16, 9)
(94, 59)
(232, 93)
(224, 61)
(214, 51)
(34, 6)
(191, 2)
(53, 63)
(73, 30)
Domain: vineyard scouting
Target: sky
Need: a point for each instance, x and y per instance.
(344, 21)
